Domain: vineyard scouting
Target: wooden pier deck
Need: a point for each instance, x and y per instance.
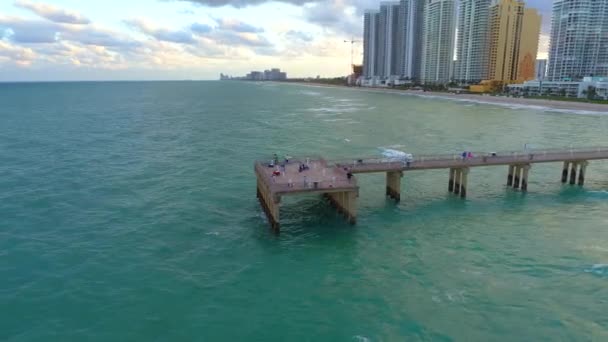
(335, 180)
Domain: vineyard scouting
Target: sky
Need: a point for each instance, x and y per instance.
(55, 40)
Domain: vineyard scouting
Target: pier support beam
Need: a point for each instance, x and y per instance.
(524, 178)
(565, 172)
(451, 182)
(573, 173)
(457, 176)
(270, 204)
(345, 203)
(582, 173)
(510, 175)
(393, 185)
(464, 182)
(516, 176)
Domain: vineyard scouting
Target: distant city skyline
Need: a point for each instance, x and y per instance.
(183, 39)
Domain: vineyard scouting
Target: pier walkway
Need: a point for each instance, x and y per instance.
(336, 180)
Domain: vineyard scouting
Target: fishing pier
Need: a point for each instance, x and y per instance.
(336, 181)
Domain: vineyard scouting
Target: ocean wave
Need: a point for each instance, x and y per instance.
(324, 110)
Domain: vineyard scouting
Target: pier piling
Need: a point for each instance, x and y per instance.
(582, 173)
(451, 182)
(510, 175)
(524, 178)
(573, 173)
(464, 182)
(457, 177)
(516, 176)
(565, 172)
(393, 185)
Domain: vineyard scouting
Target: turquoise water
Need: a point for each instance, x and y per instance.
(128, 212)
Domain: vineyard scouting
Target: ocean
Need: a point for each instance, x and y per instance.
(128, 212)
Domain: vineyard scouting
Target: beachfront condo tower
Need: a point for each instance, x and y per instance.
(579, 40)
(389, 49)
(410, 24)
(514, 33)
(472, 44)
(438, 41)
(540, 69)
(371, 22)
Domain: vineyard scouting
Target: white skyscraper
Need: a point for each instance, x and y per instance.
(388, 38)
(579, 40)
(410, 24)
(472, 51)
(371, 21)
(540, 69)
(438, 41)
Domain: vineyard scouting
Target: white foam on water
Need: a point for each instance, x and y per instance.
(328, 110)
(392, 153)
(598, 269)
(310, 93)
(334, 120)
(361, 338)
(514, 105)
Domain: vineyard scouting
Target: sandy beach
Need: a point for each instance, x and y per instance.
(558, 106)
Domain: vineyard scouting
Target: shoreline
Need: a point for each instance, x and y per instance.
(552, 105)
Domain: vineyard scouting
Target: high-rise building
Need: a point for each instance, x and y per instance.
(371, 22)
(410, 25)
(389, 34)
(472, 49)
(438, 41)
(540, 69)
(513, 42)
(579, 40)
(528, 45)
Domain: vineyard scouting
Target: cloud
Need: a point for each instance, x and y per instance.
(29, 31)
(19, 55)
(240, 38)
(53, 13)
(243, 3)
(93, 35)
(162, 34)
(337, 16)
(237, 26)
(26, 31)
(200, 28)
(293, 35)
